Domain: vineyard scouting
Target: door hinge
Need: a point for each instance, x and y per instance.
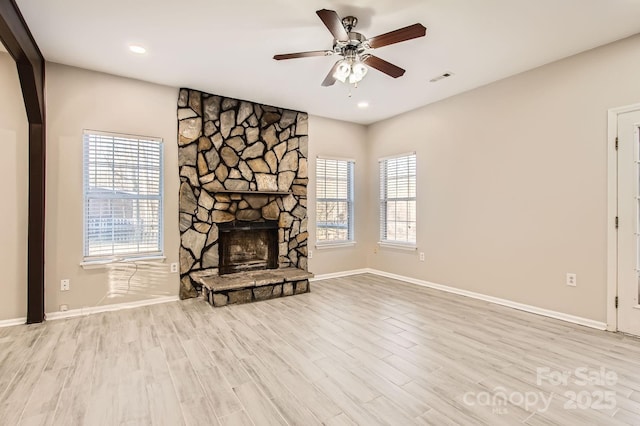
(616, 302)
(616, 222)
(616, 143)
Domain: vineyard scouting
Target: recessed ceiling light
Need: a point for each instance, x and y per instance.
(363, 104)
(135, 48)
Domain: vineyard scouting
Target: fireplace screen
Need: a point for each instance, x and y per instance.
(248, 246)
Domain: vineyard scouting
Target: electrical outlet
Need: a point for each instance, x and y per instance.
(421, 256)
(64, 285)
(310, 254)
(174, 268)
(572, 280)
(64, 308)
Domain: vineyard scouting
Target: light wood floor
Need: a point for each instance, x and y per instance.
(359, 350)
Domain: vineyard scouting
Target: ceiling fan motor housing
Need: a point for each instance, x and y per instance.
(355, 45)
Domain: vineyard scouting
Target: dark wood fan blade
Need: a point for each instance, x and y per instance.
(330, 80)
(383, 66)
(303, 54)
(333, 23)
(403, 34)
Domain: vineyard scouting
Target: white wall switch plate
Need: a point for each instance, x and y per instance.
(64, 285)
(421, 256)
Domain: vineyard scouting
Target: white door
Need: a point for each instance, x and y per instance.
(628, 222)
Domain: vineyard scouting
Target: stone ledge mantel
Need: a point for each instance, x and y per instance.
(252, 192)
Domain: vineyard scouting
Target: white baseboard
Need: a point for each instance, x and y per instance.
(498, 301)
(341, 274)
(504, 302)
(12, 322)
(108, 308)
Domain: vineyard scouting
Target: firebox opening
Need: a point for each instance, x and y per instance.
(248, 246)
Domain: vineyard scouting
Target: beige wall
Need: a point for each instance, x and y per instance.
(14, 162)
(77, 100)
(339, 139)
(512, 182)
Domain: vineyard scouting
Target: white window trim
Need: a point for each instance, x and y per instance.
(334, 244)
(328, 244)
(327, 157)
(391, 157)
(102, 262)
(400, 245)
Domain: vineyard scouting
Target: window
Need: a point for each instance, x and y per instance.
(334, 201)
(123, 185)
(398, 200)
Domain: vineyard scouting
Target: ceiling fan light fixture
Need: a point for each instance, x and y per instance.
(342, 71)
(358, 71)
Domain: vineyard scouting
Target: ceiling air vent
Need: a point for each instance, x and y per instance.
(440, 77)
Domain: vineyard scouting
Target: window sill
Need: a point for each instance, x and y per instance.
(323, 246)
(102, 264)
(398, 246)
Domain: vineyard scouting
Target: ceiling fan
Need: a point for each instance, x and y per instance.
(354, 48)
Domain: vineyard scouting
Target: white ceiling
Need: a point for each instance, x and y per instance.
(226, 47)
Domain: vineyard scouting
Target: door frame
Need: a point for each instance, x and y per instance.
(612, 213)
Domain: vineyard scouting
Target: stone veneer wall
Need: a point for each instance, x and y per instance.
(228, 145)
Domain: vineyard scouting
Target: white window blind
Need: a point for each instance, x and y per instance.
(398, 199)
(334, 200)
(123, 186)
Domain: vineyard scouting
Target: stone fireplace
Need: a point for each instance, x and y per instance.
(243, 199)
